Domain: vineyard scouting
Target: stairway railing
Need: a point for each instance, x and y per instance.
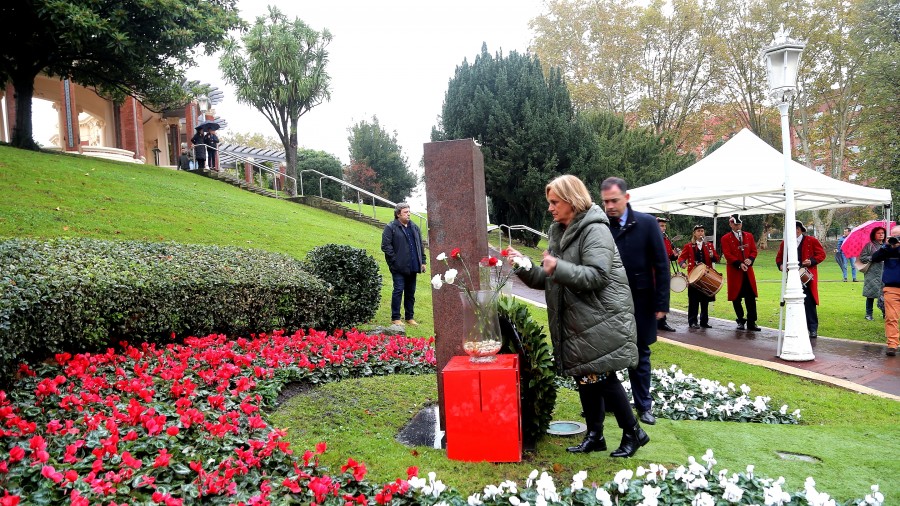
(257, 168)
(359, 193)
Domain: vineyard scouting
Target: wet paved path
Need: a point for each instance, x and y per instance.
(856, 365)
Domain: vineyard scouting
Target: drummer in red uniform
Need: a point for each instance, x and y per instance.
(672, 253)
(810, 253)
(694, 253)
(739, 250)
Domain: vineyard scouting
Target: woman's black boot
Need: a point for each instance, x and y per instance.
(593, 442)
(632, 439)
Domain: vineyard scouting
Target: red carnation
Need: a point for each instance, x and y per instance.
(454, 253)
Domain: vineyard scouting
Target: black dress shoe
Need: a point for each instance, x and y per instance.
(694, 326)
(632, 439)
(706, 325)
(647, 417)
(740, 326)
(666, 327)
(813, 335)
(593, 442)
(754, 327)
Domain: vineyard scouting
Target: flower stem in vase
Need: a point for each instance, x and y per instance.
(481, 327)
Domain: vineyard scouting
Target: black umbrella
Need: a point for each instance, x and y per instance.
(209, 125)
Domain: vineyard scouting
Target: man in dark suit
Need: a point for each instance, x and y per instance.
(647, 265)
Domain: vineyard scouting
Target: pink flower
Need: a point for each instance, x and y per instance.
(51, 473)
(16, 454)
(162, 460)
(172, 430)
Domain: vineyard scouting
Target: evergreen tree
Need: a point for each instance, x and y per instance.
(325, 163)
(526, 127)
(373, 147)
(635, 154)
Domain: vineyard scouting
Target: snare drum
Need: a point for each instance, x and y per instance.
(707, 280)
(678, 282)
(805, 276)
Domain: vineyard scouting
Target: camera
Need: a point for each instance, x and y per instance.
(893, 241)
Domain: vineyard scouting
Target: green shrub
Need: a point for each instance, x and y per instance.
(82, 294)
(355, 283)
(537, 371)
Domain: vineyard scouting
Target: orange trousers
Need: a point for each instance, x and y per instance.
(891, 316)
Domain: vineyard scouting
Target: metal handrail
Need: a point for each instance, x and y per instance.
(358, 192)
(262, 168)
(510, 228)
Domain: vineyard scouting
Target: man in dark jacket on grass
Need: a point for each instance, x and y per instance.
(401, 242)
(646, 263)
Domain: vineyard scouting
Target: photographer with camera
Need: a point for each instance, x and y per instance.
(889, 254)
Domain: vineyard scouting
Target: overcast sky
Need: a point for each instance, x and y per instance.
(392, 59)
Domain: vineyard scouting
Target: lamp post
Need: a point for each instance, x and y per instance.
(203, 106)
(782, 60)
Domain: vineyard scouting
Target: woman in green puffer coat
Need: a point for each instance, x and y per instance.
(590, 311)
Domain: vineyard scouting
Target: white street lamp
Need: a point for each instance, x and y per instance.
(782, 59)
(203, 103)
(203, 106)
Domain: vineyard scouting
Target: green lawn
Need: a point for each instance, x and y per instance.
(854, 436)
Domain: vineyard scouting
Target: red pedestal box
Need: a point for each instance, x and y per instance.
(482, 411)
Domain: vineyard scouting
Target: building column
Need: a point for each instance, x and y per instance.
(69, 128)
(131, 113)
(10, 119)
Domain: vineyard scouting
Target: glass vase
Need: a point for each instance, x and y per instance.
(481, 326)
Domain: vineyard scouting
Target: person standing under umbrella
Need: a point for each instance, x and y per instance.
(212, 148)
(872, 283)
(842, 259)
(199, 149)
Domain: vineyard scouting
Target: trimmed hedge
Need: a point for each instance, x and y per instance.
(355, 283)
(84, 294)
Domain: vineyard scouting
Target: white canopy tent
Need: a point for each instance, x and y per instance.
(746, 175)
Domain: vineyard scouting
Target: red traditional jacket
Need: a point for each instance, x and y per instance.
(670, 251)
(689, 255)
(810, 249)
(734, 257)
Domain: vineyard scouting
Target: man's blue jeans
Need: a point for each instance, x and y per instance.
(848, 262)
(404, 288)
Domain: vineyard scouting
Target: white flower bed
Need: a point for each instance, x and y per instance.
(695, 484)
(679, 396)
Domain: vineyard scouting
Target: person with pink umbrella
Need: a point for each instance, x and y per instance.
(872, 284)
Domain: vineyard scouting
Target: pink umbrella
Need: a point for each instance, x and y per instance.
(859, 237)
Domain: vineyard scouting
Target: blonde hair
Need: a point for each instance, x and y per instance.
(571, 190)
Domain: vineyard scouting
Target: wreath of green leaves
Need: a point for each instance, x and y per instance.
(536, 369)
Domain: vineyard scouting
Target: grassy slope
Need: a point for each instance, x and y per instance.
(53, 195)
(56, 195)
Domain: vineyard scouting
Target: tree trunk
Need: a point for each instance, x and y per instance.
(290, 155)
(22, 134)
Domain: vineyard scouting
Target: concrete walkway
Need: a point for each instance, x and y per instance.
(855, 365)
